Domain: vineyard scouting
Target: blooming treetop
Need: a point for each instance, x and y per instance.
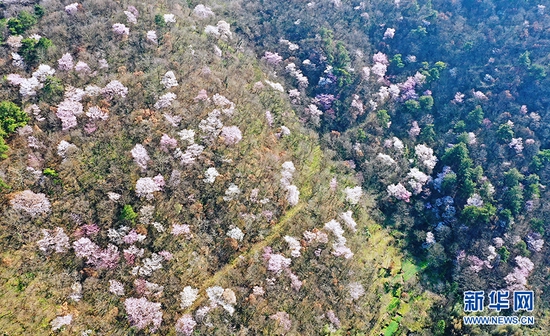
(294, 246)
(353, 194)
(188, 296)
(165, 100)
(72, 8)
(203, 12)
(210, 175)
(224, 298)
(356, 290)
(185, 325)
(399, 191)
(145, 187)
(169, 80)
(116, 287)
(236, 234)
(169, 18)
(31, 203)
(389, 33)
(283, 319)
(221, 30)
(272, 58)
(152, 36)
(142, 312)
(139, 153)
(114, 88)
(61, 321)
(348, 220)
(59, 242)
(120, 29)
(425, 156)
(231, 134)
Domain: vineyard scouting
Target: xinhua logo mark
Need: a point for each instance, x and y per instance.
(474, 301)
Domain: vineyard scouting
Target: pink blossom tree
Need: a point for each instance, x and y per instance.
(142, 312)
(58, 242)
(146, 187)
(31, 203)
(203, 12)
(231, 134)
(272, 58)
(72, 8)
(283, 320)
(114, 88)
(399, 191)
(120, 29)
(139, 153)
(185, 325)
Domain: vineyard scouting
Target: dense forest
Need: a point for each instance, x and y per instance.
(257, 167)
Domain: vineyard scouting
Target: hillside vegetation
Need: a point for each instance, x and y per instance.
(157, 179)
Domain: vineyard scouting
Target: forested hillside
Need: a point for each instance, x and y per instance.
(271, 167)
(441, 108)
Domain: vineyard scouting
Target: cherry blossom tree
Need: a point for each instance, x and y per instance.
(120, 29)
(231, 134)
(72, 8)
(223, 297)
(95, 256)
(31, 203)
(116, 287)
(169, 18)
(293, 195)
(356, 290)
(283, 319)
(399, 191)
(169, 80)
(165, 100)
(210, 175)
(294, 246)
(185, 325)
(61, 321)
(152, 36)
(353, 195)
(142, 312)
(114, 88)
(82, 67)
(188, 296)
(348, 220)
(425, 156)
(203, 12)
(146, 187)
(236, 234)
(139, 153)
(277, 263)
(131, 17)
(58, 242)
(272, 58)
(389, 33)
(96, 113)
